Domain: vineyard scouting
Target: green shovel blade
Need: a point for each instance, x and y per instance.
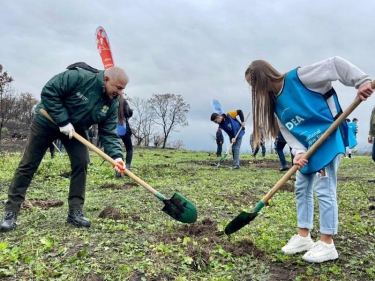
(222, 160)
(243, 219)
(180, 209)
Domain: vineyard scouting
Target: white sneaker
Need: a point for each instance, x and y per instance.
(298, 244)
(321, 252)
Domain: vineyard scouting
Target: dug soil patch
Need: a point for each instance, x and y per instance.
(110, 212)
(44, 204)
(119, 186)
(207, 236)
(65, 174)
(287, 187)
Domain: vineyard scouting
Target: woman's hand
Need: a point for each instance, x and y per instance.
(365, 91)
(300, 162)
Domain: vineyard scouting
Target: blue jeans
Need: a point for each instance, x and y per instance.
(280, 152)
(325, 190)
(236, 152)
(373, 149)
(256, 150)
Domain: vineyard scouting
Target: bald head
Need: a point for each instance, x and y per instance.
(116, 72)
(115, 81)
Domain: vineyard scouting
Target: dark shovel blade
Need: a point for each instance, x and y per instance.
(243, 219)
(180, 209)
(239, 222)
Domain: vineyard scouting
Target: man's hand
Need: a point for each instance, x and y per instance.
(300, 162)
(369, 139)
(120, 166)
(67, 130)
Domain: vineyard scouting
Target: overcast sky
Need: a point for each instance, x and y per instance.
(199, 49)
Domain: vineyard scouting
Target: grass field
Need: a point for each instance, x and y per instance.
(132, 239)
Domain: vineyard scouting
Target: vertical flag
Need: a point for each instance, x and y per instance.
(104, 48)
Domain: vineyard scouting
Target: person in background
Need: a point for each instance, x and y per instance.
(279, 147)
(230, 124)
(91, 133)
(219, 141)
(303, 105)
(353, 126)
(255, 149)
(124, 131)
(348, 151)
(59, 144)
(75, 99)
(371, 136)
(52, 150)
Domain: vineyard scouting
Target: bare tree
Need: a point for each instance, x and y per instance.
(7, 99)
(141, 121)
(177, 144)
(169, 111)
(158, 139)
(24, 107)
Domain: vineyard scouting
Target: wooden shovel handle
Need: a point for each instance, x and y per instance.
(106, 157)
(315, 146)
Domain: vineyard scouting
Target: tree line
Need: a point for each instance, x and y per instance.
(153, 120)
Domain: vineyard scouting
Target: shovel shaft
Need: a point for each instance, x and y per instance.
(109, 159)
(315, 146)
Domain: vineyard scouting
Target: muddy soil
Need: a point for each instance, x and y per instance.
(44, 204)
(110, 212)
(125, 185)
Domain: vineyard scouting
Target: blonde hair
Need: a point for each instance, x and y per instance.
(265, 83)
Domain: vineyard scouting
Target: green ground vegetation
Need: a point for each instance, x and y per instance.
(132, 239)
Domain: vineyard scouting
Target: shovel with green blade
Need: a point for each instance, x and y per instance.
(245, 218)
(231, 144)
(177, 207)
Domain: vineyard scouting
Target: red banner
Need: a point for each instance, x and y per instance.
(104, 48)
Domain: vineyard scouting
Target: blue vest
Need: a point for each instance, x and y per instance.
(121, 130)
(231, 127)
(353, 127)
(307, 116)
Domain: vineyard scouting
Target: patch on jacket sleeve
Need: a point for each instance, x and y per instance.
(104, 110)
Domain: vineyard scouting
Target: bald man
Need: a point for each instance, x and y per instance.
(75, 99)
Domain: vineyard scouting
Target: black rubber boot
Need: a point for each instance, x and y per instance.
(76, 218)
(118, 174)
(284, 168)
(9, 221)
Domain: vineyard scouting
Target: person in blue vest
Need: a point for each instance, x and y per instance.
(353, 127)
(371, 136)
(303, 104)
(230, 124)
(124, 131)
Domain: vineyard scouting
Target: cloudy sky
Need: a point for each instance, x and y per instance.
(195, 48)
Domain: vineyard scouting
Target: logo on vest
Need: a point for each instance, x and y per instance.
(81, 96)
(312, 138)
(294, 122)
(104, 110)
